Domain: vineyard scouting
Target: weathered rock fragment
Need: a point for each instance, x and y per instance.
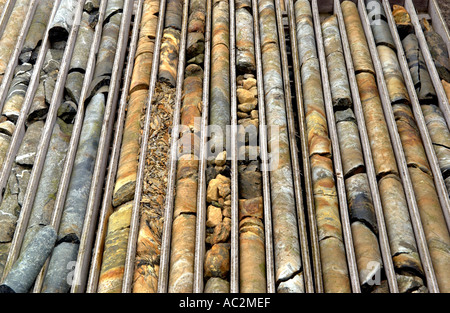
(220, 111)
(28, 148)
(37, 28)
(62, 263)
(400, 232)
(382, 152)
(438, 50)
(446, 86)
(418, 69)
(360, 201)
(286, 242)
(349, 142)
(403, 21)
(113, 262)
(63, 20)
(25, 270)
(357, 39)
(440, 136)
(80, 181)
(44, 201)
(337, 71)
(435, 228)
(128, 161)
(379, 24)
(83, 44)
(182, 256)
(410, 137)
(245, 54)
(10, 35)
(393, 75)
(367, 251)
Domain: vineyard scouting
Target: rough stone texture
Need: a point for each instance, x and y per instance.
(63, 20)
(446, 88)
(285, 231)
(360, 201)
(168, 62)
(217, 285)
(357, 39)
(182, 254)
(5, 141)
(435, 228)
(393, 75)
(10, 35)
(25, 270)
(293, 285)
(154, 190)
(220, 111)
(128, 161)
(418, 69)
(114, 254)
(245, 54)
(62, 263)
(402, 20)
(28, 148)
(334, 266)
(349, 144)
(44, 201)
(83, 44)
(367, 252)
(438, 49)
(380, 142)
(440, 136)
(38, 25)
(379, 24)
(80, 181)
(401, 236)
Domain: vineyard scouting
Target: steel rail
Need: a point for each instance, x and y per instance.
(201, 193)
(101, 161)
(106, 207)
(296, 172)
(337, 161)
(234, 251)
(44, 142)
(164, 267)
(268, 233)
(73, 144)
(367, 152)
(4, 18)
(310, 208)
(134, 225)
(399, 155)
